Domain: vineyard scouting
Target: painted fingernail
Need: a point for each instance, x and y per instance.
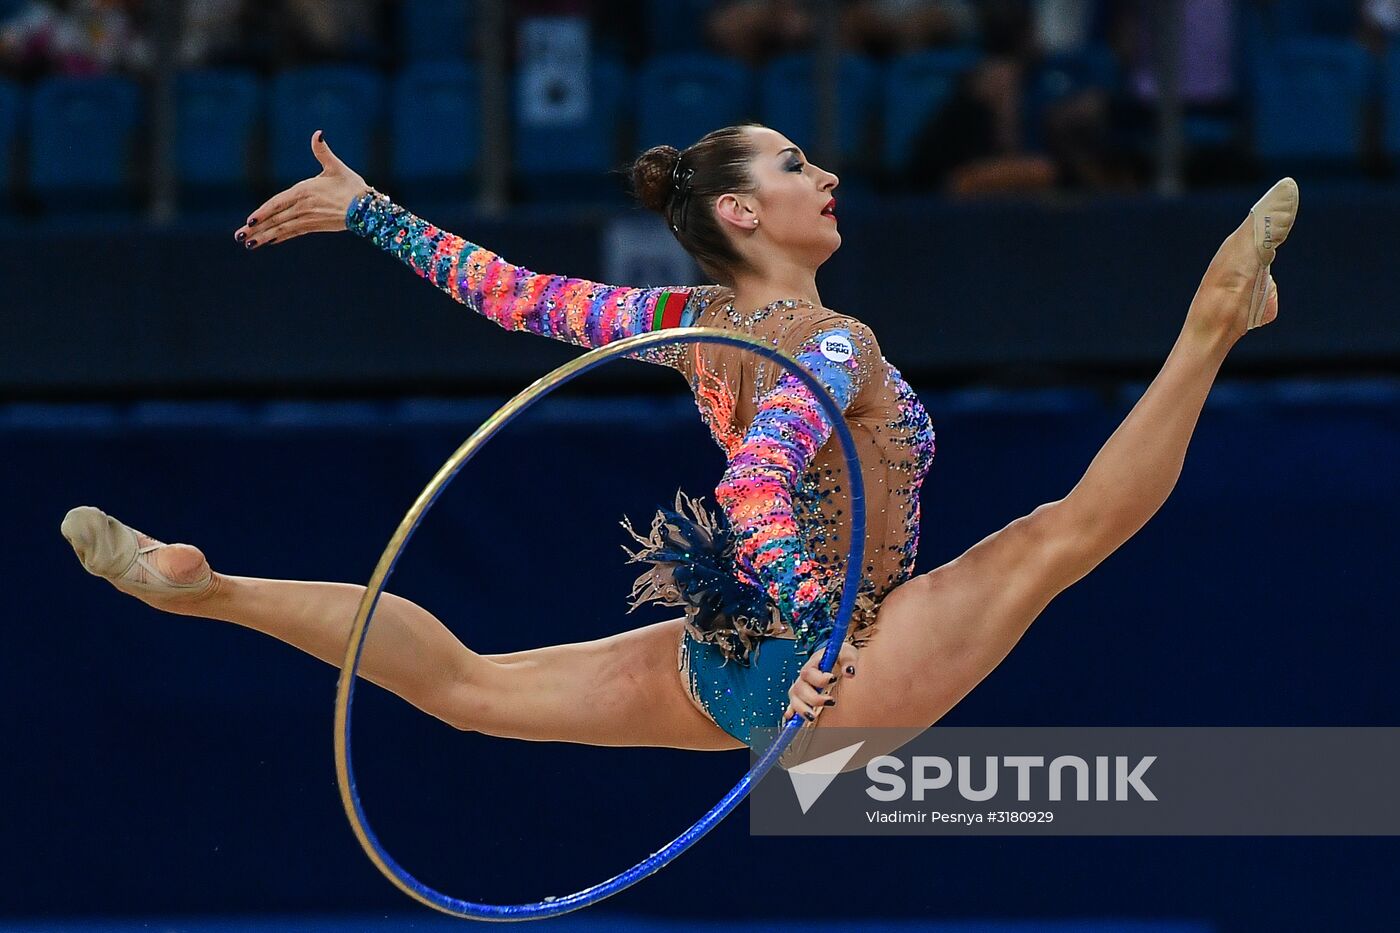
(240, 236)
(830, 701)
(252, 221)
(250, 244)
(810, 716)
(831, 678)
(323, 139)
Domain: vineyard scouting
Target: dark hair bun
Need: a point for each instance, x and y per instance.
(651, 177)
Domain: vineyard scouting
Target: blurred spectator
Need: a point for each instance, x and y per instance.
(216, 32)
(1064, 25)
(1380, 23)
(1103, 141)
(1029, 116)
(323, 31)
(1205, 64)
(891, 27)
(974, 143)
(72, 37)
(1205, 69)
(285, 33)
(756, 30)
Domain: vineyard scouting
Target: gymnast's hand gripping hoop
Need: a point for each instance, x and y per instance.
(345, 688)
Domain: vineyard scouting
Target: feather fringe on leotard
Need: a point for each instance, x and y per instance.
(693, 567)
(692, 558)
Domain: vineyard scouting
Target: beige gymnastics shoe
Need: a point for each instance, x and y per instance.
(1272, 217)
(114, 551)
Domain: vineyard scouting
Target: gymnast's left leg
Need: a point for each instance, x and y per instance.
(942, 632)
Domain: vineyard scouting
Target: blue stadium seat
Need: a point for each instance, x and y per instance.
(344, 101)
(788, 101)
(434, 30)
(81, 135)
(1335, 19)
(216, 118)
(916, 86)
(1308, 99)
(683, 97)
(1390, 102)
(435, 139)
(11, 101)
(572, 159)
(675, 25)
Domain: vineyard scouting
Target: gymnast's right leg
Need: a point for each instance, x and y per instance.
(620, 690)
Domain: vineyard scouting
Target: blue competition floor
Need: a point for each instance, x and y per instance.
(584, 923)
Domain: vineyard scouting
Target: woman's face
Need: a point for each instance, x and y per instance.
(793, 203)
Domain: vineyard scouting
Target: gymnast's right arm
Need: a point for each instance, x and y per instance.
(578, 311)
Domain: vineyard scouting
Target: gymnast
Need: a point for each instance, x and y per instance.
(758, 582)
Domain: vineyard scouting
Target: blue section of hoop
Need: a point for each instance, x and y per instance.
(553, 906)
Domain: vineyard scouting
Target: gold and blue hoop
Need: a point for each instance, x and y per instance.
(345, 688)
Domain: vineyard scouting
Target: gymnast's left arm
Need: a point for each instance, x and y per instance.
(757, 488)
(577, 311)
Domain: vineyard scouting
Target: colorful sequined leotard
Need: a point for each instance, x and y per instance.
(784, 496)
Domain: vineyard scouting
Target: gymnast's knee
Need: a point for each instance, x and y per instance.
(461, 712)
(529, 694)
(475, 701)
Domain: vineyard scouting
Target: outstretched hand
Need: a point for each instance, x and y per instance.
(809, 695)
(315, 205)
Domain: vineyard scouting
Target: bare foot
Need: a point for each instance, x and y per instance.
(1237, 292)
(170, 577)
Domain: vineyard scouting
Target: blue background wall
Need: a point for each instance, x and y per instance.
(165, 764)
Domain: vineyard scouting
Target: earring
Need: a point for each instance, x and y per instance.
(755, 221)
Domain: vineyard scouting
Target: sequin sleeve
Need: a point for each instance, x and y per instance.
(577, 311)
(756, 492)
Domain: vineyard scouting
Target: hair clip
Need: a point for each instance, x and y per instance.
(680, 194)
